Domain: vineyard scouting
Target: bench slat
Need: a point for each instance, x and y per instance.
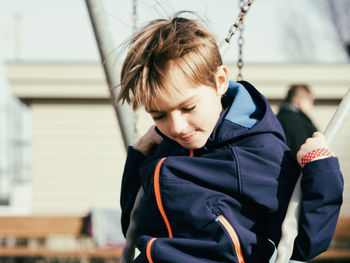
(39, 226)
(334, 254)
(343, 228)
(25, 252)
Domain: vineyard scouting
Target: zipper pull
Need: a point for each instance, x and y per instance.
(217, 217)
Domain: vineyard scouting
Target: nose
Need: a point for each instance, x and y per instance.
(177, 123)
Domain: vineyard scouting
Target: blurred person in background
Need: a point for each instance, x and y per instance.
(294, 115)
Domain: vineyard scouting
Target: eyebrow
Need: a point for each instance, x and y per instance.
(189, 100)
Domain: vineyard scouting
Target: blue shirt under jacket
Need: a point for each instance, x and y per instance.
(228, 201)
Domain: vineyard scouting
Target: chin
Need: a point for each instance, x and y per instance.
(193, 145)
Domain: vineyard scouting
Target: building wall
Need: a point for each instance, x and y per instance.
(77, 150)
(77, 157)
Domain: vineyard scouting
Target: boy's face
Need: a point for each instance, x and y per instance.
(190, 112)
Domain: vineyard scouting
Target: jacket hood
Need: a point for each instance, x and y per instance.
(246, 112)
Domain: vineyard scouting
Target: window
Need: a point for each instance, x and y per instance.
(15, 190)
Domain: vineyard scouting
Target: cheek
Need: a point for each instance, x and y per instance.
(212, 109)
(205, 117)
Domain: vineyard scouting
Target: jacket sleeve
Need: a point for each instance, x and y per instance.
(322, 188)
(130, 184)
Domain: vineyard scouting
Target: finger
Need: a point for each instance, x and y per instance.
(317, 134)
(299, 155)
(309, 141)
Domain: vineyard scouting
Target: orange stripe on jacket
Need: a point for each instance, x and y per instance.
(158, 197)
(234, 238)
(148, 250)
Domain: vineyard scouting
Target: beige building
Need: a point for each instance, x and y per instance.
(77, 154)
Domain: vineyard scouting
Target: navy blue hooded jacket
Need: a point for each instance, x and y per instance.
(226, 201)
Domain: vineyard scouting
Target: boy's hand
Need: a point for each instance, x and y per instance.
(314, 148)
(148, 142)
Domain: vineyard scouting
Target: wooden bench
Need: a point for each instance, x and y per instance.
(339, 249)
(55, 237)
(30, 237)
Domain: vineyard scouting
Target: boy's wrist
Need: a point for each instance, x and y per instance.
(140, 146)
(145, 147)
(148, 142)
(317, 154)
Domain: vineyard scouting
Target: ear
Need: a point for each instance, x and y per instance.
(222, 80)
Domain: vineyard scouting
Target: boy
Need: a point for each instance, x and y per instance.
(216, 171)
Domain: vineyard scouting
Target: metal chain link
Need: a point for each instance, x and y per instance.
(240, 63)
(134, 15)
(234, 28)
(134, 28)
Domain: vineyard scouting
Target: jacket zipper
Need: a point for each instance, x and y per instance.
(232, 234)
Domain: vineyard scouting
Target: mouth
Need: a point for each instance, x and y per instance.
(187, 137)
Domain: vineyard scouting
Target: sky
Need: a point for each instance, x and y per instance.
(276, 31)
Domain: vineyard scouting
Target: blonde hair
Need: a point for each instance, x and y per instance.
(185, 41)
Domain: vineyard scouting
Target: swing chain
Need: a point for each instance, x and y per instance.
(240, 63)
(134, 15)
(136, 114)
(244, 6)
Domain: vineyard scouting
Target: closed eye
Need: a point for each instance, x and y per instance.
(158, 117)
(188, 109)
